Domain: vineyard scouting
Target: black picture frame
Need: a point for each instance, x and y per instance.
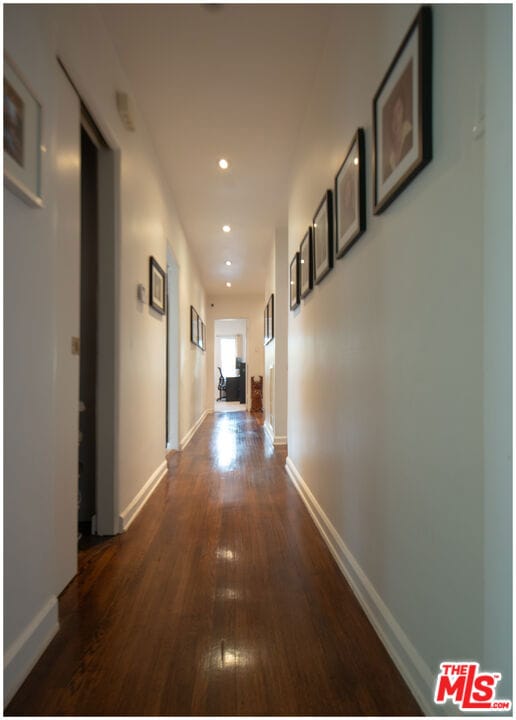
(269, 335)
(294, 282)
(194, 326)
(402, 115)
(306, 264)
(350, 205)
(323, 237)
(157, 286)
(23, 158)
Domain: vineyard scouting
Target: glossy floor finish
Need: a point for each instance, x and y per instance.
(221, 599)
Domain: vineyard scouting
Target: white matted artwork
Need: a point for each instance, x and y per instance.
(22, 137)
(350, 196)
(323, 237)
(157, 286)
(306, 264)
(402, 114)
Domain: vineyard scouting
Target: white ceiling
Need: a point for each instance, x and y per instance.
(223, 81)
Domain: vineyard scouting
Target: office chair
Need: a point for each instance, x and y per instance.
(221, 386)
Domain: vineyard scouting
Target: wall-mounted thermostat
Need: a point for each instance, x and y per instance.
(142, 293)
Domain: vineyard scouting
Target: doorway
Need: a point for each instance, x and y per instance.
(230, 365)
(90, 143)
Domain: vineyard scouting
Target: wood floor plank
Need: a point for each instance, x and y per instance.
(221, 599)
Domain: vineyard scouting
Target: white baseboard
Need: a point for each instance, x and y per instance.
(275, 439)
(189, 435)
(25, 651)
(411, 665)
(127, 516)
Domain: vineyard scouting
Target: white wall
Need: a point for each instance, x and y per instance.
(276, 352)
(34, 35)
(250, 307)
(388, 431)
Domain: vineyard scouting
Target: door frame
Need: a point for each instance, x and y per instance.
(106, 521)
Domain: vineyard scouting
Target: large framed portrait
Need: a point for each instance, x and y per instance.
(158, 285)
(306, 281)
(22, 137)
(323, 237)
(294, 282)
(402, 114)
(350, 212)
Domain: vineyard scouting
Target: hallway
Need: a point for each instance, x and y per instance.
(221, 599)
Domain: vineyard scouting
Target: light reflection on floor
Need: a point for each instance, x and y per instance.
(225, 444)
(228, 594)
(225, 554)
(223, 657)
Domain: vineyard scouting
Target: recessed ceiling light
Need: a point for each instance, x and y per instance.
(228, 262)
(355, 161)
(228, 284)
(226, 228)
(223, 164)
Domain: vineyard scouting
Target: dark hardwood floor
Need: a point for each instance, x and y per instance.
(221, 599)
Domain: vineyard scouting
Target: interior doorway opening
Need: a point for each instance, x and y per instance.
(230, 371)
(98, 349)
(90, 143)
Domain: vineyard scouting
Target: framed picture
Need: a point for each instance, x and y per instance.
(194, 326)
(402, 114)
(157, 283)
(323, 237)
(350, 212)
(270, 319)
(203, 336)
(306, 261)
(22, 137)
(294, 282)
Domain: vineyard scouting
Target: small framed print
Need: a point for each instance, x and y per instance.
(158, 286)
(270, 319)
(22, 137)
(402, 114)
(194, 326)
(265, 325)
(323, 237)
(294, 282)
(350, 212)
(203, 336)
(306, 261)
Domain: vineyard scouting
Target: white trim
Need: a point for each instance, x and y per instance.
(189, 435)
(269, 432)
(411, 665)
(131, 511)
(275, 439)
(25, 651)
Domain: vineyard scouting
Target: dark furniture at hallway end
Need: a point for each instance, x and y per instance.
(232, 389)
(256, 393)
